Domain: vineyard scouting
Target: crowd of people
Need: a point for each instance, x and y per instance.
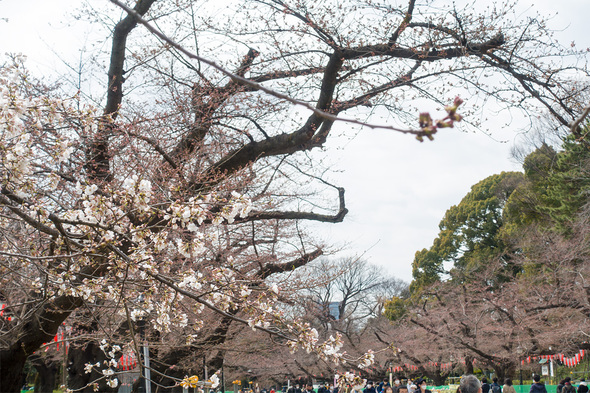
(419, 386)
(564, 386)
(470, 384)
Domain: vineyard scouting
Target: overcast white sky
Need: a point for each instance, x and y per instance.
(397, 188)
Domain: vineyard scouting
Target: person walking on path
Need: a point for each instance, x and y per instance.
(538, 386)
(568, 387)
(369, 388)
(496, 388)
(396, 386)
(294, 389)
(421, 384)
(485, 387)
(469, 384)
(508, 388)
(582, 387)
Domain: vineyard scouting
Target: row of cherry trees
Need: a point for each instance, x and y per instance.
(507, 277)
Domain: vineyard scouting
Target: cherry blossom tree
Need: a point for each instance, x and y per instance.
(182, 191)
(542, 311)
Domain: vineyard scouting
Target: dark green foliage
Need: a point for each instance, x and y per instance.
(523, 208)
(469, 232)
(492, 222)
(568, 185)
(556, 188)
(395, 309)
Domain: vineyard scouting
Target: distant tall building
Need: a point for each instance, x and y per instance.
(333, 309)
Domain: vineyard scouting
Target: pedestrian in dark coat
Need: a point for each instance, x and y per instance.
(369, 388)
(538, 386)
(583, 387)
(485, 386)
(421, 384)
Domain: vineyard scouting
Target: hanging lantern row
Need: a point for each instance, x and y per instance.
(443, 366)
(567, 361)
(127, 362)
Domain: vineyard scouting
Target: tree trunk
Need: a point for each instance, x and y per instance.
(468, 365)
(438, 379)
(47, 371)
(78, 357)
(12, 361)
(39, 327)
(504, 370)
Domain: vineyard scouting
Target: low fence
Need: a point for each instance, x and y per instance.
(518, 388)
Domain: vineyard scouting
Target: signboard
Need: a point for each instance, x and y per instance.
(545, 369)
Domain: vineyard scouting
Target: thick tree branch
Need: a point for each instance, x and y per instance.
(257, 86)
(430, 55)
(574, 125)
(118, 49)
(97, 154)
(272, 268)
(403, 80)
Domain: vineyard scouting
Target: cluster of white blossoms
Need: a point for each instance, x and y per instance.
(184, 234)
(148, 244)
(15, 161)
(330, 349)
(214, 381)
(13, 138)
(111, 351)
(191, 280)
(237, 206)
(367, 360)
(16, 110)
(139, 192)
(355, 381)
(308, 339)
(36, 137)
